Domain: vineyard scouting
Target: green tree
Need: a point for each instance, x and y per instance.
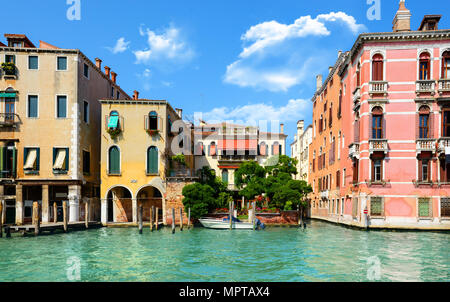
(199, 198)
(248, 172)
(281, 164)
(292, 193)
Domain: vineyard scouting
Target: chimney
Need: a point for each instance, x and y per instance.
(339, 53)
(113, 76)
(136, 95)
(300, 127)
(98, 63)
(402, 19)
(319, 82)
(282, 128)
(179, 112)
(330, 69)
(107, 70)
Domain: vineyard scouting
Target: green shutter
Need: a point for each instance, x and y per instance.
(14, 163)
(113, 121)
(38, 151)
(25, 154)
(114, 160)
(66, 164)
(62, 106)
(152, 160)
(424, 207)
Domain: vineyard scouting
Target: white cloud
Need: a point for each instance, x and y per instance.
(270, 39)
(169, 45)
(253, 114)
(121, 46)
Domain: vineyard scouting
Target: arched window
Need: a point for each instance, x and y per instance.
(263, 149)
(212, 149)
(424, 66)
(152, 160)
(113, 121)
(153, 121)
(424, 122)
(225, 175)
(199, 149)
(446, 65)
(114, 160)
(377, 123)
(276, 149)
(377, 68)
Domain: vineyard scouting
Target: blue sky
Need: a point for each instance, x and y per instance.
(235, 60)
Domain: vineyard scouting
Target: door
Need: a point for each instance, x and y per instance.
(10, 212)
(110, 210)
(9, 110)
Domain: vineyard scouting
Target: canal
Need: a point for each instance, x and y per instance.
(322, 252)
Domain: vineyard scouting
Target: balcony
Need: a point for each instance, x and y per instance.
(378, 145)
(425, 86)
(9, 70)
(425, 145)
(444, 142)
(9, 119)
(236, 158)
(378, 87)
(357, 95)
(353, 151)
(325, 194)
(444, 86)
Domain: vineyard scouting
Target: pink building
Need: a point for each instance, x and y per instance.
(396, 128)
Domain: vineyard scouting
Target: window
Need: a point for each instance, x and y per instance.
(32, 111)
(199, 149)
(169, 124)
(424, 66)
(376, 206)
(424, 207)
(61, 106)
(424, 169)
(33, 62)
(377, 170)
(355, 171)
(276, 149)
(118, 95)
(86, 70)
(60, 160)
(10, 109)
(377, 123)
(446, 65)
(152, 160)
(16, 44)
(153, 121)
(86, 162)
(445, 170)
(446, 123)
(212, 149)
(225, 176)
(31, 160)
(86, 112)
(113, 121)
(10, 59)
(358, 76)
(424, 122)
(114, 161)
(377, 68)
(112, 92)
(445, 207)
(61, 63)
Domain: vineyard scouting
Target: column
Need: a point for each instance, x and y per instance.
(45, 205)
(363, 203)
(74, 203)
(104, 211)
(134, 209)
(19, 205)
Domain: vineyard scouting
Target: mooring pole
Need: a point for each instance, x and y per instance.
(65, 215)
(55, 212)
(151, 219)
(181, 219)
(86, 214)
(189, 218)
(254, 216)
(36, 218)
(156, 218)
(231, 218)
(141, 213)
(173, 220)
(1, 218)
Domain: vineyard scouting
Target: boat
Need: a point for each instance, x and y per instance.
(224, 224)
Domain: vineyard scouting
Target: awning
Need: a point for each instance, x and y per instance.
(60, 159)
(31, 159)
(238, 144)
(113, 121)
(7, 95)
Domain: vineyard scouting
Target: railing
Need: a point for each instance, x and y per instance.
(425, 144)
(425, 86)
(325, 194)
(444, 85)
(444, 143)
(376, 145)
(8, 119)
(378, 87)
(236, 157)
(353, 150)
(356, 95)
(7, 174)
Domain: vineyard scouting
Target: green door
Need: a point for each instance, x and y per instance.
(114, 160)
(152, 160)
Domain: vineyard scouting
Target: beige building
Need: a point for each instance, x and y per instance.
(223, 147)
(50, 121)
(300, 150)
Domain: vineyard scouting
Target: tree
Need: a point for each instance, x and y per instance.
(291, 193)
(248, 172)
(281, 164)
(199, 198)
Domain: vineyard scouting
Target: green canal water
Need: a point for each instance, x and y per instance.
(322, 252)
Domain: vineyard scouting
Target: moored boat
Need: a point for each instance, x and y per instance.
(223, 224)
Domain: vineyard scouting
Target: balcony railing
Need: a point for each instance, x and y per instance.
(444, 143)
(353, 151)
(8, 119)
(425, 144)
(425, 86)
(378, 87)
(7, 174)
(232, 158)
(357, 95)
(377, 145)
(444, 85)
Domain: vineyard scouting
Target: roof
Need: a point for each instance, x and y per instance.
(427, 18)
(20, 37)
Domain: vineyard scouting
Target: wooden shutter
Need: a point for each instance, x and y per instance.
(371, 126)
(431, 125)
(153, 160)
(114, 160)
(420, 169)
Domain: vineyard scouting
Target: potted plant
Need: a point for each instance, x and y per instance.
(152, 132)
(114, 132)
(9, 68)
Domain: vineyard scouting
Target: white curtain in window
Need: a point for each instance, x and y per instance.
(31, 159)
(60, 159)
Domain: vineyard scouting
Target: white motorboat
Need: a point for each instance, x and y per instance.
(223, 224)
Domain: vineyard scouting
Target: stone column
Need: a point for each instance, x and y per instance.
(45, 205)
(74, 203)
(134, 209)
(363, 204)
(104, 211)
(19, 205)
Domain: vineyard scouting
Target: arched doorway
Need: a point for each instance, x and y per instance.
(119, 205)
(149, 196)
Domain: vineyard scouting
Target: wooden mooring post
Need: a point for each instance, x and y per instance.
(151, 219)
(141, 214)
(86, 214)
(189, 218)
(181, 219)
(173, 221)
(55, 212)
(36, 219)
(231, 215)
(65, 216)
(157, 218)
(1, 218)
(254, 215)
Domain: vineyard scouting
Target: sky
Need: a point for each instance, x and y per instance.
(234, 60)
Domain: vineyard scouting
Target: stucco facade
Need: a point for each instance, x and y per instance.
(300, 150)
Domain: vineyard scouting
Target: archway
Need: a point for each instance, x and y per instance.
(149, 196)
(119, 205)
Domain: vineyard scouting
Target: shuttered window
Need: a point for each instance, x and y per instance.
(377, 68)
(152, 160)
(445, 207)
(424, 66)
(114, 160)
(32, 106)
(424, 207)
(376, 206)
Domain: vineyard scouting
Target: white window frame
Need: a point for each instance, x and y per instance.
(28, 63)
(67, 63)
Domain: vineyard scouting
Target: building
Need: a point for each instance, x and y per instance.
(223, 147)
(396, 129)
(300, 150)
(138, 139)
(324, 151)
(50, 122)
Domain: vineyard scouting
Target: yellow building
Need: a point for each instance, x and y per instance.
(139, 138)
(50, 121)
